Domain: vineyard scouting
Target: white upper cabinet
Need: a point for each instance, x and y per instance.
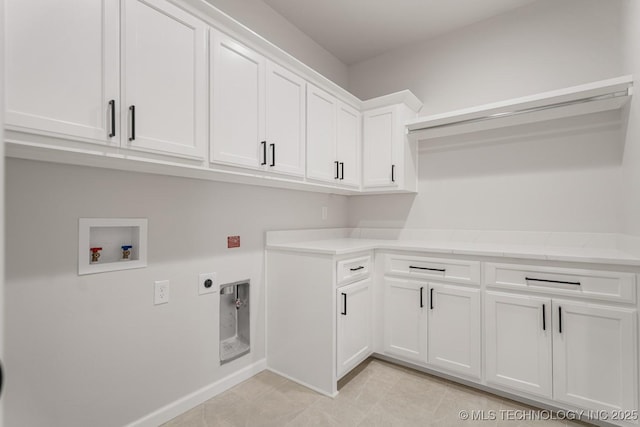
(333, 139)
(390, 159)
(187, 89)
(348, 145)
(321, 135)
(257, 110)
(379, 140)
(285, 121)
(165, 82)
(158, 106)
(237, 103)
(62, 67)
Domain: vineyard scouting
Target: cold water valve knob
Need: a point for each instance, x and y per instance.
(95, 254)
(126, 252)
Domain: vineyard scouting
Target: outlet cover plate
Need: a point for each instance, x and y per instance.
(161, 292)
(202, 289)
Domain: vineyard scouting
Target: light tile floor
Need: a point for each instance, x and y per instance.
(377, 394)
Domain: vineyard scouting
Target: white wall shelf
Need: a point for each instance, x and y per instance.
(110, 235)
(589, 98)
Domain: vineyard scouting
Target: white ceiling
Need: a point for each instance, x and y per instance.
(354, 30)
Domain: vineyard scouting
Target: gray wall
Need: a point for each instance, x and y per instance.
(562, 176)
(268, 23)
(93, 350)
(631, 172)
(2, 237)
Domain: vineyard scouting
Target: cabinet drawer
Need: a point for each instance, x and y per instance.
(603, 285)
(452, 270)
(353, 269)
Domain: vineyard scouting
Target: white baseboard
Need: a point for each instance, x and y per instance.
(192, 400)
(316, 389)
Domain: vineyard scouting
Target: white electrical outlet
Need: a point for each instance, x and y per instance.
(207, 283)
(324, 212)
(161, 292)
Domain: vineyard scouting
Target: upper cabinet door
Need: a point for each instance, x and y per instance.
(237, 103)
(62, 67)
(285, 121)
(164, 89)
(348, 145)
(378, 141)
(321, 135)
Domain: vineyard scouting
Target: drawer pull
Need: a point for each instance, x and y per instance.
(421, 303)
(431, 298)
(344, 301)
(544, 317)
(552, 281)
(357, 268)
(442, 270)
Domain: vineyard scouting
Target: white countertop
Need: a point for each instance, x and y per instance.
(339, 245)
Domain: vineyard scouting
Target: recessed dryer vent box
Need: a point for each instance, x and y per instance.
(120, 242)
(235, 339)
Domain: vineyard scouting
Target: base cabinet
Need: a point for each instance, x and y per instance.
(405, 332)
(594, 356)
(354, 325)
(577, 353)
(570, 352)
(318, 316)
(454, 332)
(518, 342)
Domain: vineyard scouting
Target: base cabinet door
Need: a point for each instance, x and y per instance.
(518, 335)
(164, 82)
(454, 329)
(594, 353)
(405, 332)
(354, 325)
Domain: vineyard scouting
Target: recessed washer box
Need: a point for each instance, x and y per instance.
(114, 237)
